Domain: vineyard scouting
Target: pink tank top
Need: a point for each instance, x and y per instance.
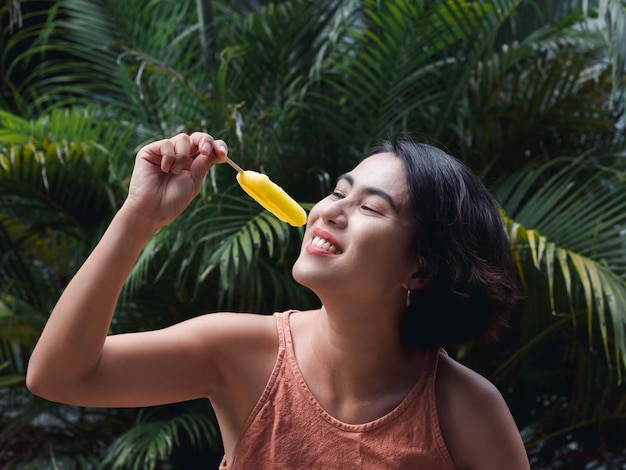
(288, 429)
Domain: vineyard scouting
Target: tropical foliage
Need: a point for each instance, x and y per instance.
(529, 94)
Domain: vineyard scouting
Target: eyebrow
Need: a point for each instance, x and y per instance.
(370, 190)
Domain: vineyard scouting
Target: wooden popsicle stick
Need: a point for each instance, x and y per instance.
(228, 160)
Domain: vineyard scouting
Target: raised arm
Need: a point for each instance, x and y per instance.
(74, 360)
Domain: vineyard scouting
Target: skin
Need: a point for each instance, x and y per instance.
(349, 350)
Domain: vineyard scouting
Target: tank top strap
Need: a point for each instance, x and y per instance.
(429, 369)
(284, 330)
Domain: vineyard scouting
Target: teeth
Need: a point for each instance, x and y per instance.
(324, 244)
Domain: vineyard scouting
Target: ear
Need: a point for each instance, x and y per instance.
(418, 281)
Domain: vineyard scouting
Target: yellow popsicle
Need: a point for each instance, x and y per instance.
(271, 196)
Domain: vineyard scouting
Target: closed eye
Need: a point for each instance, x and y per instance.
(370, 191)
(370, 209)
(339, 195)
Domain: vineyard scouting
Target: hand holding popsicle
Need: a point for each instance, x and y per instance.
(168, 174)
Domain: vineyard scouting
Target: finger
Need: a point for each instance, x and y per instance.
(152, 152)
(217, 150)
(159, 153)
(220, 149)
(207, 145)
(167, 154)
(182, 144)
(198, 141)
(181, 151)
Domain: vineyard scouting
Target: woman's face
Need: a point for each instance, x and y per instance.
(360, 238)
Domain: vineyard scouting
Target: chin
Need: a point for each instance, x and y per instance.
(307, 275)
(298, 272)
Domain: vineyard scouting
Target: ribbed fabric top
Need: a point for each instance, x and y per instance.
(289, 429)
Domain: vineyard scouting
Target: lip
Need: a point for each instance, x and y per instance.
(318, 232)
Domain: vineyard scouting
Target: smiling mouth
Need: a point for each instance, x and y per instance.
(325, 245)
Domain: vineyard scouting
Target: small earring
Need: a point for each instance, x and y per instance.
(408, 297)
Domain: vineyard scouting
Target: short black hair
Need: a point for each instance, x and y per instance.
(462, 248)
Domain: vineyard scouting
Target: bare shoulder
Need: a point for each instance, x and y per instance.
(475, 421)
(459, 385)
(234, 342)
(226, 327)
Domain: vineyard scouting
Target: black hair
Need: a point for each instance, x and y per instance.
(462, 247)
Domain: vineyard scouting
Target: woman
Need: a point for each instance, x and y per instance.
(406, 255)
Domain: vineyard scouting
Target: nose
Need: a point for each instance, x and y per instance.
(333, 213)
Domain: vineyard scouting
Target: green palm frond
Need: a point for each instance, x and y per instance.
(408, 64)
(108, 52)
(21, 322)
(150, 442)
(556, 76)
(548, 90)
(480, 29)
(9, 379)
(162, 55)
(20, 327)
(532, 18)
(610, 21)
(280, 51)
(233, 236)
(21, 52)
(459, 71)
(104, 131)
(45, 219)
(388, 48)
(15, 270)
(567, 220)
(56, 193)
(543, 74)
(45, 69)
(237, 256)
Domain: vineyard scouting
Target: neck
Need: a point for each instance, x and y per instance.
(360, 348)
(353, 360)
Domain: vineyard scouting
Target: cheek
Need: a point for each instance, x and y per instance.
(314, 213)
(313, 216)
(392, 250)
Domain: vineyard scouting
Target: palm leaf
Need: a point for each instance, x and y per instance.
(49, 181)
(407, 65)
(144, 58)
(149, 442)
(20, 327)
(610, 21)
(280, 50)
(387, 49)
(230, 235)
(9, 379)
(577, 240)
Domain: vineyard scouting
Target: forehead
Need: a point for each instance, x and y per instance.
(382, 170)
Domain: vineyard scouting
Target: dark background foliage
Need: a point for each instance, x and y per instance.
(529, 94)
